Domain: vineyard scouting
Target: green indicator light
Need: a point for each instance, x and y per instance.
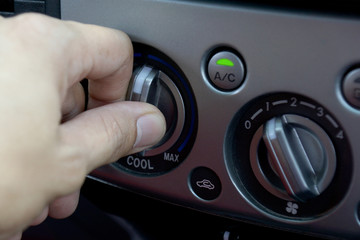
(225, 62)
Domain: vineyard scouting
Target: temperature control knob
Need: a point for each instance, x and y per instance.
(159, 81)
(301, 154)
(155, 87)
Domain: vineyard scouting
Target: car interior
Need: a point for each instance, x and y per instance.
(262, 107)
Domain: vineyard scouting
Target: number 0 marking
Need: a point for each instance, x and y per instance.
(247, 124)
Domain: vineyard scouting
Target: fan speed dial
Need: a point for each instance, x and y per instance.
(300, 153)
(289, 156)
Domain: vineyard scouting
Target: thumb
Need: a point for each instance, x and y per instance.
(104, 134)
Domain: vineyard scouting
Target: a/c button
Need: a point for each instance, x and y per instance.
(226, 70)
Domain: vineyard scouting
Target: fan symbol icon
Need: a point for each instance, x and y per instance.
(292, 208)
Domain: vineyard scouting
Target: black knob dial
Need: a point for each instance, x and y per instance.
(301, 154)
(289, 156)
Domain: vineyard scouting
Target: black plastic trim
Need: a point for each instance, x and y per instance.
(13, 7)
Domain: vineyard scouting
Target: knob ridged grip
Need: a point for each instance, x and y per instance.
(301, 154)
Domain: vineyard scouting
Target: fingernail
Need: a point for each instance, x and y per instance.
(150, 130)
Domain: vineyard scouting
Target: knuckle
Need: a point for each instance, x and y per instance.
(41, 31)
(127, 45)
(32, 25)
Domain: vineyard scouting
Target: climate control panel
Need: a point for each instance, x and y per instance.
(261, 107)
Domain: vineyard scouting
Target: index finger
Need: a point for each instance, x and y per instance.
(74, 51)
(105, 57)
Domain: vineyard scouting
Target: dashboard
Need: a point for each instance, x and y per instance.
(262, 106)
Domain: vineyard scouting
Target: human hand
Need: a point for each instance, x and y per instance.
(48, 144)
